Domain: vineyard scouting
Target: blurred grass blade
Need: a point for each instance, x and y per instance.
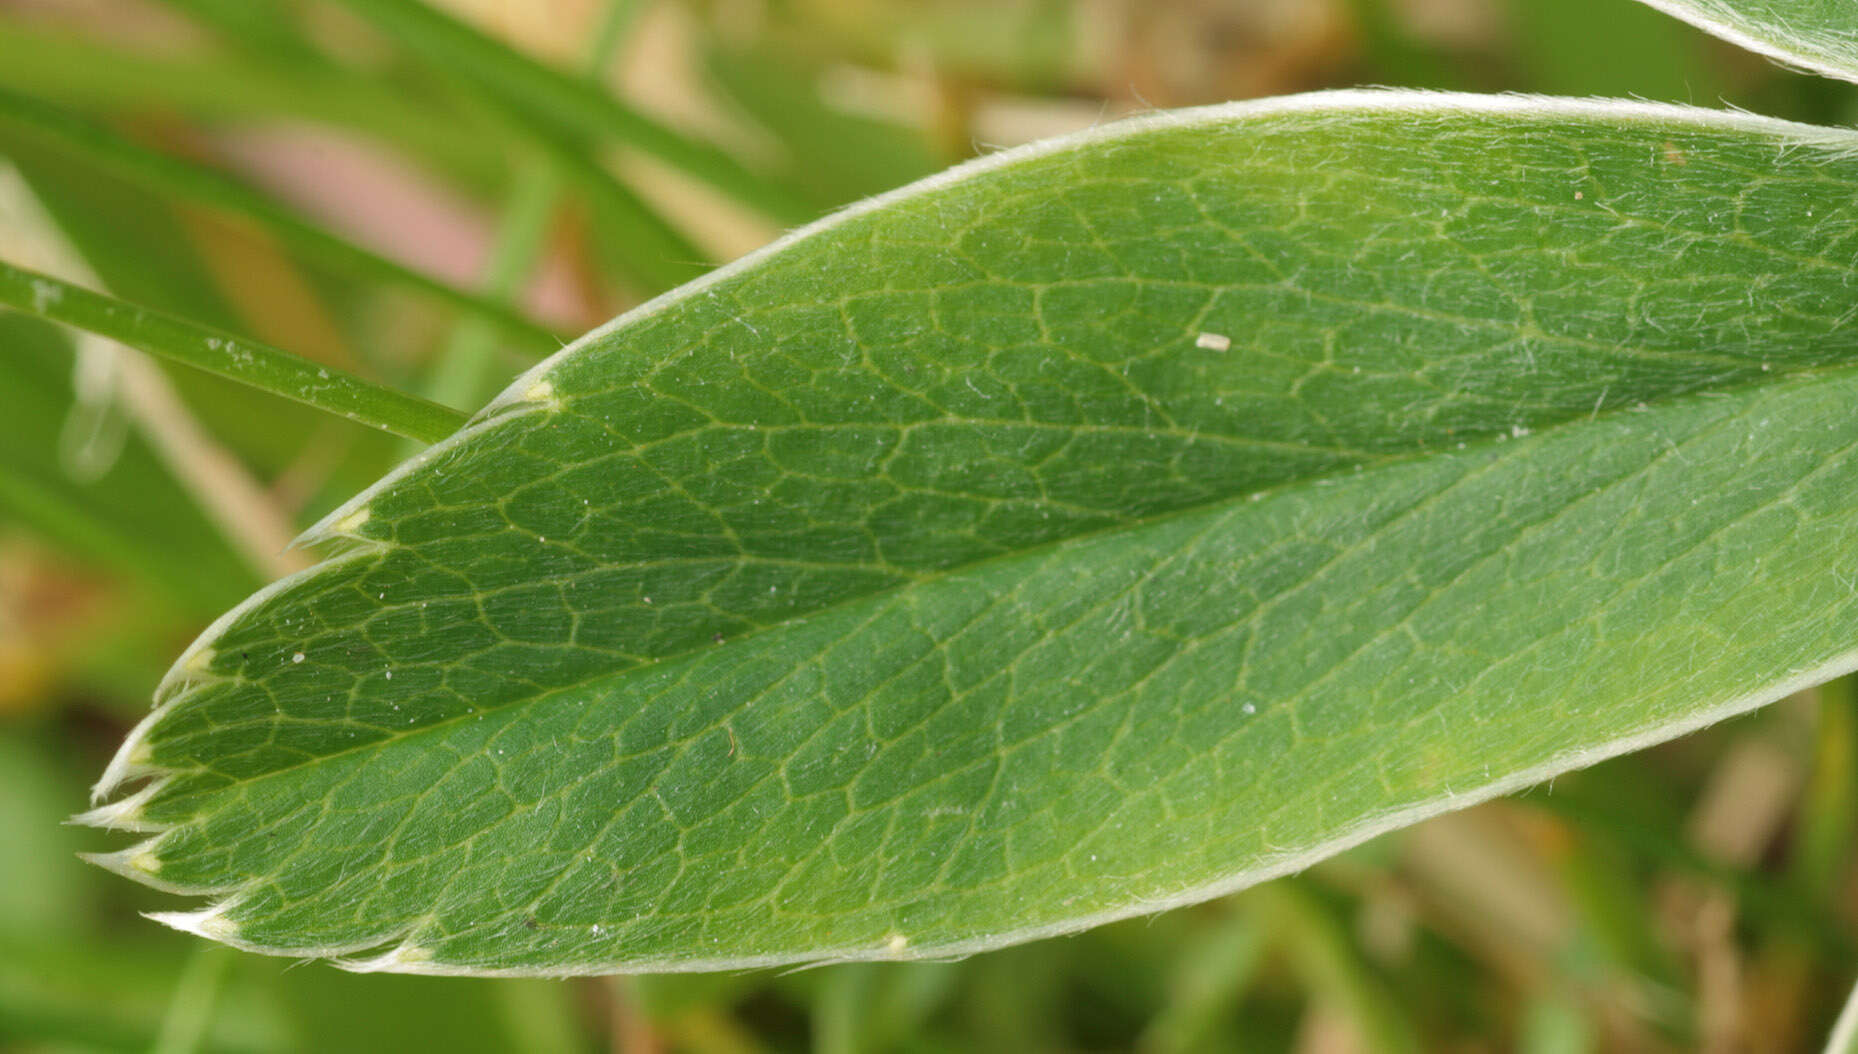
(235, 358)
(861, 1006)
(1844, 1038)
(1093, 529)
(137, 519)
(651, 254)
(172, 175)
(1818, 35)
(1310, 929)
(1214, 967)
(190, 1010)
(261, 27)
(782, 95)
(1827, 829)
(626, 226)
(81, 73)
(565, 102)
(463, 370)
(655, 255)
(1759, 896)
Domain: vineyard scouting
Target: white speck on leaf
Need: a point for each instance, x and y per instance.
(1213, 341)
(298, 657)
(44, 294)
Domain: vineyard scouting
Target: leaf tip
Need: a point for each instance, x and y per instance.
(123, 815)
(210, 923)
(193, 668)
(405, 957)
(353, 522)
(134, 758)
(137, 862)
(346, 521)
(542, 392)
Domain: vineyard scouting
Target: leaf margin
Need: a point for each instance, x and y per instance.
(532, 392)
(1803, 52)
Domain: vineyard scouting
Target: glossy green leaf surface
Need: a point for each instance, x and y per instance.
(1819, 35)
(1092, 529)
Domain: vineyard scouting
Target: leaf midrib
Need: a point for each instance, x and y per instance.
(695, 735)
(1779, 377)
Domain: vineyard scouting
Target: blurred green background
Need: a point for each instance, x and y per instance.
(203, 156)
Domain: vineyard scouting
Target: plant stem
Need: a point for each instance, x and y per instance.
(235, 358)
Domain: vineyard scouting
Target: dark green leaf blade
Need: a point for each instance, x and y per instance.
(1092, 529)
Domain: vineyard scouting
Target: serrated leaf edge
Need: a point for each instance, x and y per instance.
(533, 392)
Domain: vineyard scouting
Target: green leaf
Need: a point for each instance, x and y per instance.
(246, 361)
(1819, 35)
(1098, 527)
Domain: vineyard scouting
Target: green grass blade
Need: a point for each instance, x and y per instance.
(1096, 528)
(172, 175)
(1332, 967)
(1827, 830)
(1760, 897)
(1216, 965)
(262, 27)
(1844, 1038)
(782, 95)
(650, 251)
(1819, 35)
(81, 73)
(462, 372)
(627, 227)
(190, 1010)
(569, 104)
(654, 252)
(137, 519)
(235, 358)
